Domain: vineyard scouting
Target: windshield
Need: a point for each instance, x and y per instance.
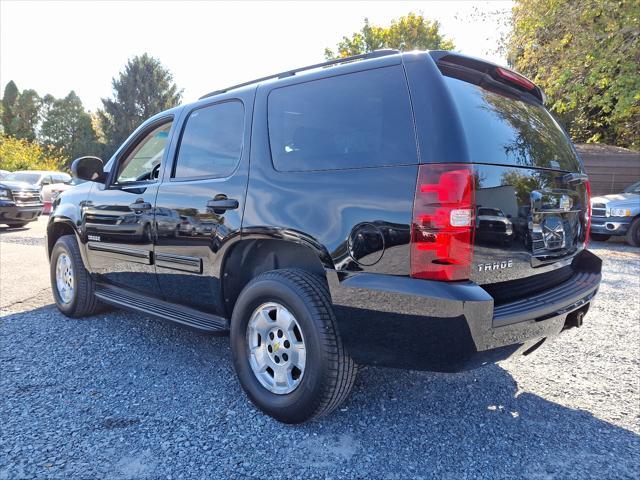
(508, 131)
(492, 212)
(31, 178)
(633, 188)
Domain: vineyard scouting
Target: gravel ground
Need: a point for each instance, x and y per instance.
(120, 395)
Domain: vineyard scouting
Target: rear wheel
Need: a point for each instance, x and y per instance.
(17, 225)
(600, 237)
(72, 285)
(633, 234)
(286, 348)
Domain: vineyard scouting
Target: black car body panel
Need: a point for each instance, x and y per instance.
(346, 213)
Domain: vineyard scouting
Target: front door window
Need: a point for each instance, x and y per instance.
(143, 162)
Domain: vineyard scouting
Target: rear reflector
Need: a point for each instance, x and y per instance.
(443, 222)
(588, 211)
(515, 78)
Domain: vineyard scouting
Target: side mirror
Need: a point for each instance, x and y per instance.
(509, 215)
(89, 168)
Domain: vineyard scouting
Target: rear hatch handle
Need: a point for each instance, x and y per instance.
(570, 178)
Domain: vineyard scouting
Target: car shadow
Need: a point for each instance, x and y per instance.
(7, 229)
(163, 396)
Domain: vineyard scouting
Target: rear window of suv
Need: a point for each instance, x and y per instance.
(505, 130)
(349, 121)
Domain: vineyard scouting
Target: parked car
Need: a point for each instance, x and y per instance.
(44, 181)
(341, 205)
(20, 203)
(58, 188)
(493, 225)
(4, 173)
(617, 215)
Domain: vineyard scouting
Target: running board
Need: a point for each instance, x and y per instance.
(190, 317)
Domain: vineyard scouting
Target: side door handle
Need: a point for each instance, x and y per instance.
(140, 206)
(220, 205)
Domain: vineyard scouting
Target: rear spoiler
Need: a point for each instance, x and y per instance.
(484, 73)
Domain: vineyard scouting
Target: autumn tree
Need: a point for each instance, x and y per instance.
(145, 87)
(586, 57)
(411, 32)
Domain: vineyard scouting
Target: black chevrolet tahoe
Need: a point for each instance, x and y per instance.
(324, 217)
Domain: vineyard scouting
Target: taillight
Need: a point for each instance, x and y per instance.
(515, 78)
(443, 222)
(588, 211)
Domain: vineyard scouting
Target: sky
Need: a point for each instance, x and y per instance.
(54, 47)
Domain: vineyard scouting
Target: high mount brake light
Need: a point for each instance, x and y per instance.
(515, 78)
(443, 223)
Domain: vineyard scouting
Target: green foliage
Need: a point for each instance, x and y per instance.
(26, 115)
(22, 154)
(68, 126)
(20, 112)
(9, 100)
(411, 32)
(143, 89)
(586, 57)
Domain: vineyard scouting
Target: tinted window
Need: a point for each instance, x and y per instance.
(211, 141)
(349, 121)
(31, 178)
(508, 131)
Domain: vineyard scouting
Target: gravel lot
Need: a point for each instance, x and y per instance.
(120, 395)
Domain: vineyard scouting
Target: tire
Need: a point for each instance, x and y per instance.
(328, 373)
(82, 301)
(17, 225)
(600, 237)
(633, 234)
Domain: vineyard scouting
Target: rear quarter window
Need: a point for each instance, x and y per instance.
(503, 130)
(349, 121)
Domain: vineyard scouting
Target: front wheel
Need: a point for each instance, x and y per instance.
(72, 285)
(286, 348)
(633, 234)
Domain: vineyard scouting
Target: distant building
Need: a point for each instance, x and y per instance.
(610, 169)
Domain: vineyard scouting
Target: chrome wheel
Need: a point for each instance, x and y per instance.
(64, 278)
(276, 349)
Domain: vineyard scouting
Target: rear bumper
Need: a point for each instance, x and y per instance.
(417, 324)
(12, 213)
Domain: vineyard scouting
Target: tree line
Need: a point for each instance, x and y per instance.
(49, 132)
(585, 56)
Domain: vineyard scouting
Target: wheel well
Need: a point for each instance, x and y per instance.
(55, 232)
(250, 258)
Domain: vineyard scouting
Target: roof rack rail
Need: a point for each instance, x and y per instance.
(375, 54)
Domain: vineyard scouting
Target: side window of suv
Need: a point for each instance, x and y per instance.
(211, 142)
(356, 120)
(143, 162)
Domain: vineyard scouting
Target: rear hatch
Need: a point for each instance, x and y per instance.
(531, 194)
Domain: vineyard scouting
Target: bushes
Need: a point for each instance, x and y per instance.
(21, 154)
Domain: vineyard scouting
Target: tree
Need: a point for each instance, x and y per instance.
(9, 101)
(143, 89)
(26, 115)
(411, 32)
(585, 56)
(22, 154)
(68, 126)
